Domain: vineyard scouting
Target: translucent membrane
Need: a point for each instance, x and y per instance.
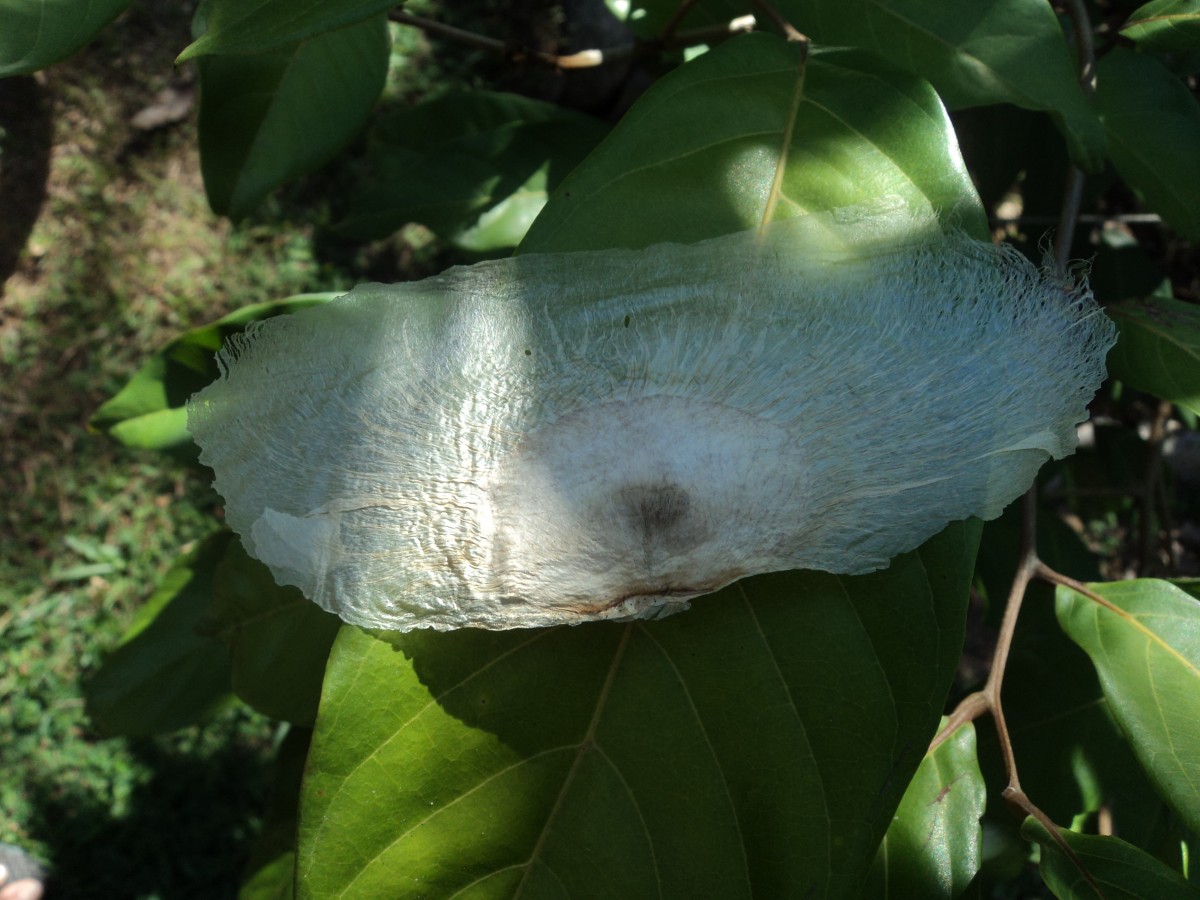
(560, 438)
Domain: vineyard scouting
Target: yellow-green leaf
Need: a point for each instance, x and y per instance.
(1144, 639)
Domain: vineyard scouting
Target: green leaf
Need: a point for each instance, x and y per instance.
(933, 846)
(37, 33)
(239, 26)
(278, 639)
(269, 118)
(1144, 640)
(697, 155)
(1166, 26)
(1158, 349)
(166, 674)
(1072, 758)
(271, 872)
(757, 743)
(1119, 870)
(1153, 126)
(974, 54)
(150, 411)
(474, 167)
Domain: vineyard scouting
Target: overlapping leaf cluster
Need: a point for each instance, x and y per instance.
(772, 741)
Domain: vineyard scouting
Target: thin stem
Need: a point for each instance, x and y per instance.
(789, 30)
(1073, 191)
(1067, 220)
(681, 10)
(1045, 573)
(988, 700)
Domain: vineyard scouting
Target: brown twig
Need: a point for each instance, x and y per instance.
(988, 700)
(788, 29)
(668, 30)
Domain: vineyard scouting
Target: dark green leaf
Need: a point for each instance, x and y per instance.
(1166, 26)
(150, 410)
(271, 871)
(1120, 870)
(1153, 126)
(269, 118)
(255, 26)
(756, 744)
(279, 640)
(36, 33)
(1144, 640)
(1158, 349)
(474, 167)
(974, 54)
(697, 156)
(933, 846)
(166, 674)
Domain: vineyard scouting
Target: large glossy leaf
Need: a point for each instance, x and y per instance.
(474, 167)
(1166, 26)
(150, 410)
(255, 26)
(697, 156)
(278, 640)
(1153, 126)
(975, 54)
(1144, 641)
(268, 118)
(167, 673)
(36, 33)
(1119, 870)
(1159, 349)
(756, 744)
(932, 848)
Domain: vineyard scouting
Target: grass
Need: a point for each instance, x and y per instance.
(121, 252)
(107, 250)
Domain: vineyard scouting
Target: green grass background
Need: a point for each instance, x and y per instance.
(118, 253)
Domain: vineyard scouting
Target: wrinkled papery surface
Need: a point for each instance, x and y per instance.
(558, 438)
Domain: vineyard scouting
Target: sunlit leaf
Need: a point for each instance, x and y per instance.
(241, 26)
(1118, 870)
(1144, 641)
(37, 33)
(974, 54)
(1159, 349)
(149, 411)
(1153, 126)
(755, 744)
(932, 848)
(696, 157)
(268, 118)
(166, 673)
(1166, 26)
